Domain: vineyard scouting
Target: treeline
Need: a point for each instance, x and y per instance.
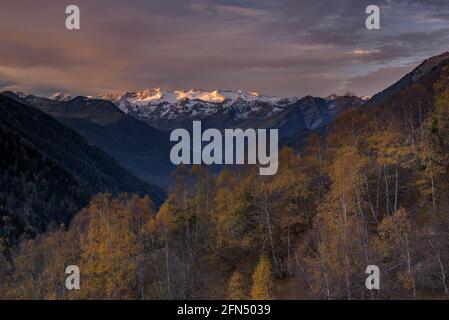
(374, 191)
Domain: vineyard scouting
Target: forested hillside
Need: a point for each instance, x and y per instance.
(36, 191)
(49, 172)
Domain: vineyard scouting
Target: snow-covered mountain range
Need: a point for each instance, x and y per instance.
(158, 103)
(157, 96)
(166, 109)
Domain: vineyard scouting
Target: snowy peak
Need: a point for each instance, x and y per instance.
(20, 94)
(60, 96)
(158, 96)
(201, 95)
(158, 103)
(166, 109)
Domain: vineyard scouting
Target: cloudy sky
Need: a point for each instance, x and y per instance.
(278, 47)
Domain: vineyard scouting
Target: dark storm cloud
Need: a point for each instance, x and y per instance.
(283, 47)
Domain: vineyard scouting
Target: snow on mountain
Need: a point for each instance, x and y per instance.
(165, 109)
(159, 103)
(157, 96)
(20, 94)
(60, 96)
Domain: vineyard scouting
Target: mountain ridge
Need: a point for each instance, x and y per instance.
(428, 66)
(167, 110)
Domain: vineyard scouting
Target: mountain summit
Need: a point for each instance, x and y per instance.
(166, 110)
(58, 96)
(157, 96)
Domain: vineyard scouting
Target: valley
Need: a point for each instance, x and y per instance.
(366, 185)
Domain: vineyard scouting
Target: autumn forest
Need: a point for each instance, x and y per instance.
(371, 189)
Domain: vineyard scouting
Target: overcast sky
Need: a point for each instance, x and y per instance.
(277, 47)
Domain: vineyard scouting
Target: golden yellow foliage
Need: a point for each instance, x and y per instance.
(262, 280)
(236, 290)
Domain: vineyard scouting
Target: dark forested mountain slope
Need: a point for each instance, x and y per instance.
(35, 191)
(48, 171)
(138, 147)
(425, 75)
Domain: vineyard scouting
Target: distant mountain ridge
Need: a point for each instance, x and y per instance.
(219, 109)
(167, 110)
